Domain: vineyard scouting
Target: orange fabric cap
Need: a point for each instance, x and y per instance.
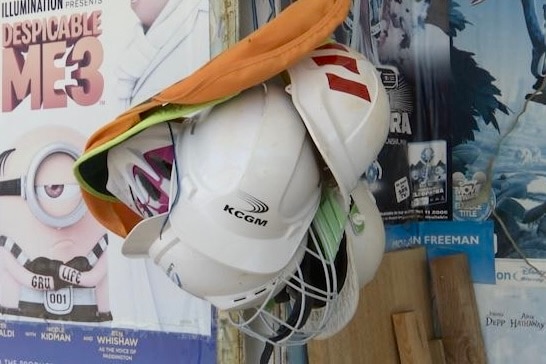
(271, 49)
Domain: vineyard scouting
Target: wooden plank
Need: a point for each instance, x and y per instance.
(229, 342)
(437, 354)
(401, 284)
(456, 310)
(411, 338)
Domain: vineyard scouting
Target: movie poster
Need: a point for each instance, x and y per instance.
(408, 42)
(66, 291)
(498, 167)
(508, 128)
(513, 322)
(441, 238)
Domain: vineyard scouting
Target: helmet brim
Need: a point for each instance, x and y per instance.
(145, 234)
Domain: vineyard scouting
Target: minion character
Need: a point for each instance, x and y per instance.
(53, 261)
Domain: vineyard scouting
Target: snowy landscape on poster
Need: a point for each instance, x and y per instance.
(518, 183)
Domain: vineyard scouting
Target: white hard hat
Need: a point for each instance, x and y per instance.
(345, 107)
(244, 191)
(244, 227)
(365, 234)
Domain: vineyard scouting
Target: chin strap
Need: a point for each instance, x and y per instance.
(301, 305)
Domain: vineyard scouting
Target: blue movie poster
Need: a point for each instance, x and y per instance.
(498, 65)
(441, 238)
(499, 174)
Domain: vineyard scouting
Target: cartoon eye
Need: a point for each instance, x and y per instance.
(58, 199)
(54, 191)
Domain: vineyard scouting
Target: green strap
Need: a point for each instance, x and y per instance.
(329, 223)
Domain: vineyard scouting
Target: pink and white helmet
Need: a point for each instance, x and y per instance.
(139, 169)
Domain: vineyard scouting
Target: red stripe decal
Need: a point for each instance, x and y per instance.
(351, 87)
(345, 62)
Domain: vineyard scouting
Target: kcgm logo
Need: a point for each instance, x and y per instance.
(52, 59)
